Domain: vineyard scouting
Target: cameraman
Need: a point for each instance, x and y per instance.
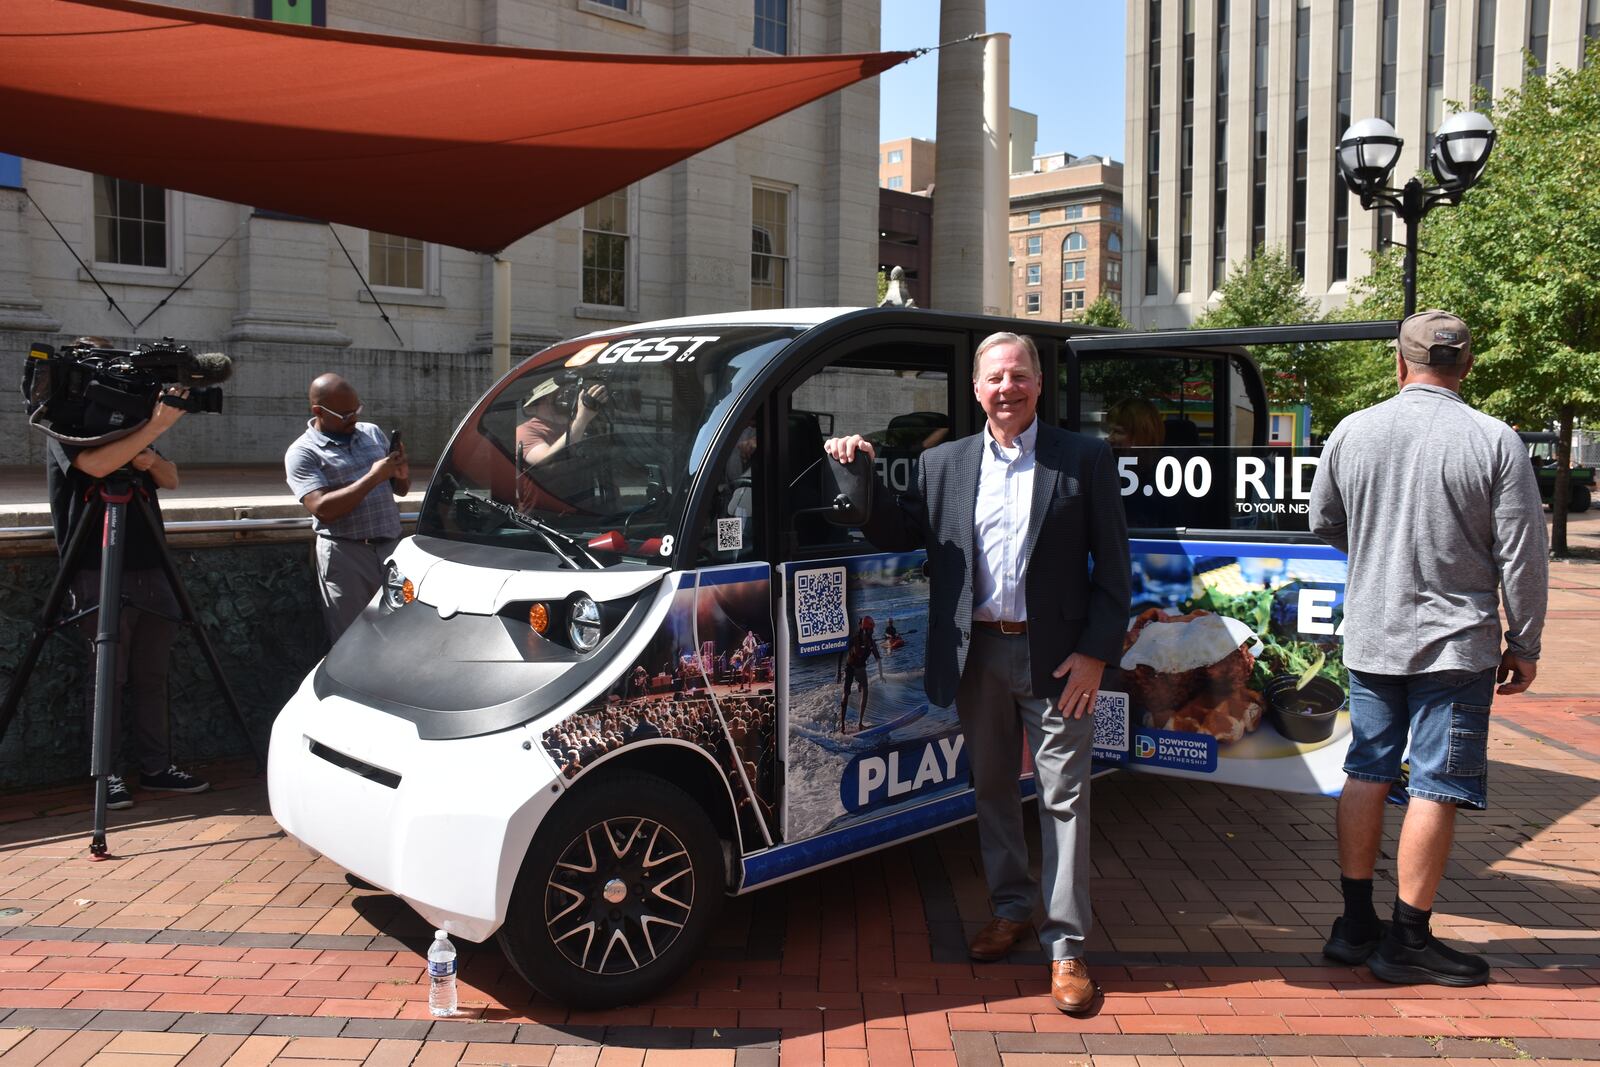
(347, 475)
(546, 429)
(150, 617)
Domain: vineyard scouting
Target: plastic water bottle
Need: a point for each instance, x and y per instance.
(441, 975)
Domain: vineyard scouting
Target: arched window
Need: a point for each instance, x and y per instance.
(1114, 242)
(1074, 243)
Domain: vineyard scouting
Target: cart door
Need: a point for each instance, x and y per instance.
(859, 740)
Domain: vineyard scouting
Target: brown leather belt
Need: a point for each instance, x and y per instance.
(1010, 629)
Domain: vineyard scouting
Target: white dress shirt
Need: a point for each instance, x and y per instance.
(1000, 526)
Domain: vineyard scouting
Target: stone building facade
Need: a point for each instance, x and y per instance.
(782, 215)
(1234, 108)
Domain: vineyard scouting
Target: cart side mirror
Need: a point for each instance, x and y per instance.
(853, 481)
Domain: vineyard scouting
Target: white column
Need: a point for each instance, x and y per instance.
(500, 365)
(996, 173)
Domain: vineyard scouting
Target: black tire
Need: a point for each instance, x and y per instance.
(579, 947)
(1581, 498)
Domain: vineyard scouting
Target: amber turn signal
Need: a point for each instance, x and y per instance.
(408, 592)
(539, 618)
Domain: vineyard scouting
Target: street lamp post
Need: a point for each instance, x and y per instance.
(1367, 155)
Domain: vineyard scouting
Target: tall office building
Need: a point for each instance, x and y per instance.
(1234, 108)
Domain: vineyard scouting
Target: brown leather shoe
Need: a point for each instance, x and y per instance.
(1071, 987)
(994, 941)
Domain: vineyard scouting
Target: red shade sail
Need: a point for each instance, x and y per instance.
(466, 145)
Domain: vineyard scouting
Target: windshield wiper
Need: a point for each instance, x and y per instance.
(552, 537)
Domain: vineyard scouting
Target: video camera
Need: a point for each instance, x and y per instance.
(89, 394)
(620, 396)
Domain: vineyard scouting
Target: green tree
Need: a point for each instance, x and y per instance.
(1105, 312)
(1266, 291)
(1519, 260)
(883, 288)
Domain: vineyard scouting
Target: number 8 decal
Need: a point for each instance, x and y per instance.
(666, 545)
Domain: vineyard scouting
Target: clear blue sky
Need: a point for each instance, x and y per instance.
(1067, 66)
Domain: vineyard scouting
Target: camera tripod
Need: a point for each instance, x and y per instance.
(110, 511)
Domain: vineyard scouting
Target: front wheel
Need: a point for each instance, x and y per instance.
(618, 891)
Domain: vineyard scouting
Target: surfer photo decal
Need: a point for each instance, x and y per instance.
(861, 736)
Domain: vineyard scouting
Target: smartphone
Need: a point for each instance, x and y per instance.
(395, 443)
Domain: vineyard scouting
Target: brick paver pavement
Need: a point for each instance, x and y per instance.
(216, 940)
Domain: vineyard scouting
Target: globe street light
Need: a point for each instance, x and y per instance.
(1367, 155)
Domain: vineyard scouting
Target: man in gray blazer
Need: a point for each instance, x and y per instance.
(1020, 628)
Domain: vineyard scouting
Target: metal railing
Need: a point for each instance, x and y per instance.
(16, 534)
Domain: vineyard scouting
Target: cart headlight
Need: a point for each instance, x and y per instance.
(583, 623)
(397, 589)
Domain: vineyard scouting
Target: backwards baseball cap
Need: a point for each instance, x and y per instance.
(1436, 338)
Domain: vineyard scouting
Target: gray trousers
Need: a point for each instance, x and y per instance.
(144, 652)
(998, 711)
(348, 573)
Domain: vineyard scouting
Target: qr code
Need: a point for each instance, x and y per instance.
(730, 534)
(819, 604)
(1111, 725)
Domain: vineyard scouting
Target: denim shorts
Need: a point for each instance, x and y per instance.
(1445, 714)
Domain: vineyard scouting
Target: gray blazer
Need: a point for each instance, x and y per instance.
(1076, 517)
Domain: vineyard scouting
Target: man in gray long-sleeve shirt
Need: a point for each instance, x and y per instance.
(1437, 507)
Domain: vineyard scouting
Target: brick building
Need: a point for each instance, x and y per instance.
(1066, 236)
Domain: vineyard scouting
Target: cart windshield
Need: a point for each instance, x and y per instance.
(589, 449)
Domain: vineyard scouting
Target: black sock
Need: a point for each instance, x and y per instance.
(1360, 918)
(1410, 924)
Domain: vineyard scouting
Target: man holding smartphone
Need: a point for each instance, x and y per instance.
(347, 473)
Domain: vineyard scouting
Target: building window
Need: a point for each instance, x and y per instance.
(1539, 34)
(1302, 122)
(1074, 211)
(1186, 155)
(395, 262)
(896, 181)
(605, 251)
(1035, 273)
(1114, 212)
(1074, 270)
(618, 5)
(1113, 270)
(769, 248)
(1033, 303)
(1435, 69)
(1152, 169)
(772, 26)
(1386, 86)
(1258, 132)
(1033, 218)
(1072, 300)
(1114, 242)
(1035, 244)
(1075, 242)
(130, 223)
(1219, 144)
(1591, 26)
(1341, 200)
(1483, 54)
(897, 155)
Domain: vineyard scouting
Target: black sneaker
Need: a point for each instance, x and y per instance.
(1341, 948)
(173, 780)
(117, 796)
(1435, 963)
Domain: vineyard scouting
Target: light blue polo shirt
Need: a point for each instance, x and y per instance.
(319, 461)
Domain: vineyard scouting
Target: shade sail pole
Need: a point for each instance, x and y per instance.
(501, 339)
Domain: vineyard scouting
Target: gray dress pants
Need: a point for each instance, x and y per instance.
(348, 573)
(997, 712)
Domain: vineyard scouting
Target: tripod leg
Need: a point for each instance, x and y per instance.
(106, 646)
(186, 607)
(76, 545)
